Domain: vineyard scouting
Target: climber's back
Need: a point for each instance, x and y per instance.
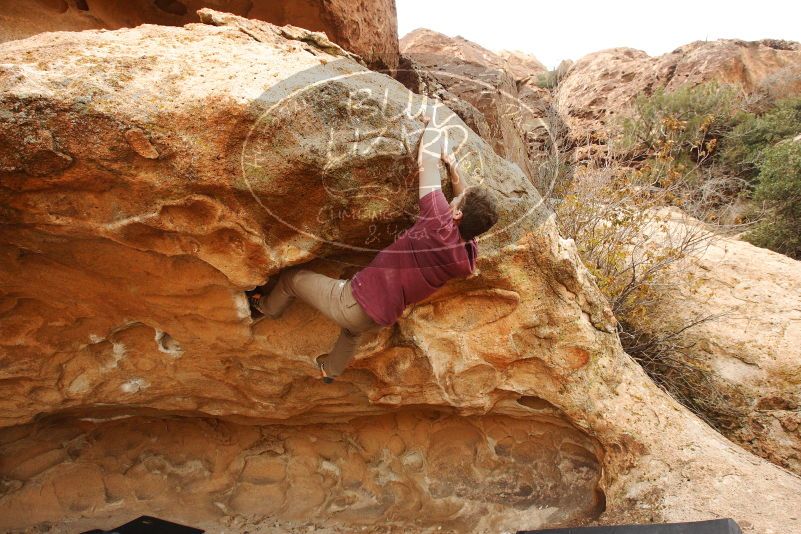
(421, 260)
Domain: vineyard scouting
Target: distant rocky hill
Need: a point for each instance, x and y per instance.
(597, 86)
(601, 85)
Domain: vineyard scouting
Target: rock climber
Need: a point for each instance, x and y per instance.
(440, 245)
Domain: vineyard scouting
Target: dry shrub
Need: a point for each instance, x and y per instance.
(673, 155)
(637, 252)
(622, 233)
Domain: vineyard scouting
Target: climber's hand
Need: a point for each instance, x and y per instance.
(432, 111)
(446, 153)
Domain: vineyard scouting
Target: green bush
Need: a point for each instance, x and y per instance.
(744, 145)
(551, 78)
(779, 189)
(685, 122)
(547, 79)
(671, 138)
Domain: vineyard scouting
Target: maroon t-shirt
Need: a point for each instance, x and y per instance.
(420, 261)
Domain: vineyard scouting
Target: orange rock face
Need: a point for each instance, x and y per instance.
(428, 467)
(143, 193)
(368, 28)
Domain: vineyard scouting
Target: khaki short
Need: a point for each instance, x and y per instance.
(334, 299)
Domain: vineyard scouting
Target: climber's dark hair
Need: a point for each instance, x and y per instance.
(479, 212)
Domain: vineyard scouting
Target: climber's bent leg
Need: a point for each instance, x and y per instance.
(313, 288)
(342, 353)
(354, 322)
(333, 298)
(330, 296)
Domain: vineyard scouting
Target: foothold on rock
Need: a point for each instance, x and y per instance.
(40, 156)
(141, 144)
(44, 162)
(167, 344)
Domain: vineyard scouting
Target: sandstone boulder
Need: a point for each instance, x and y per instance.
(143, 193)
(420, 80)
(749, 349)
(539, 124)
(368, 28)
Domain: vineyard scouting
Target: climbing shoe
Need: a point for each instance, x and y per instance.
(254, 296)
(321, 365)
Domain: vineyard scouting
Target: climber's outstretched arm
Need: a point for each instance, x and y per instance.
(428, 158)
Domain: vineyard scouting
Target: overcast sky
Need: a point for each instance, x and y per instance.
(568, 29)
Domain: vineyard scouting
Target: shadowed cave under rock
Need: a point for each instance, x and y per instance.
(415, 466)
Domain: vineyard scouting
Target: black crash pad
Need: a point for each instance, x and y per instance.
(149, 525)
(713, 526)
